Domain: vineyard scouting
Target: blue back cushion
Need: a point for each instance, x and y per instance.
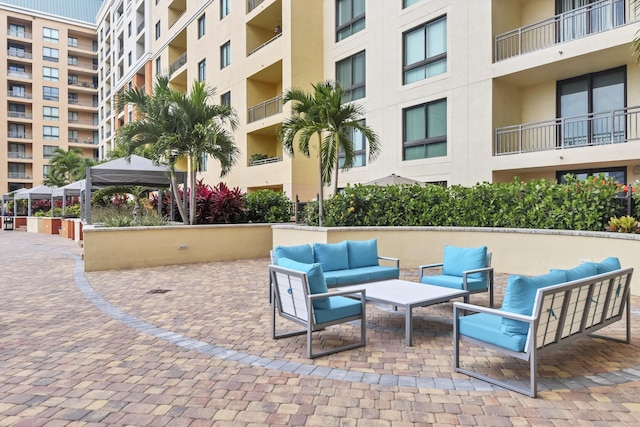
(520, 296)
(300, 253)
(317, 285)
(458, 260)
(332, 256)
(362, 253)
(608, 264)
(582, 271)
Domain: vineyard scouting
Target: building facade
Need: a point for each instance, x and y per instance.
(458, 91)
(50, 83)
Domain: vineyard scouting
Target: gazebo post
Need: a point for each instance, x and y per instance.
(87, 196)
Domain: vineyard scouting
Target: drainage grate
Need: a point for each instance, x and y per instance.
(158, 291)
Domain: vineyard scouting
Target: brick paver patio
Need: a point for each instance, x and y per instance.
(106, 348)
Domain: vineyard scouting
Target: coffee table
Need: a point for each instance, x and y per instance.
(409, 295)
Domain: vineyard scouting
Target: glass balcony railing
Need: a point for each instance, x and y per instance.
(178, 63)
(265, 109)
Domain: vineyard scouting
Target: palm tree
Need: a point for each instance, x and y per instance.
(325, 113)
(66, 167)
(174, 125)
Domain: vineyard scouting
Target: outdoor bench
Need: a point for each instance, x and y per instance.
(348, 262)
(543, 312)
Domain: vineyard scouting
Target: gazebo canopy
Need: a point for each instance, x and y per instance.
(69, 190)
(392, 179)
(39, 192)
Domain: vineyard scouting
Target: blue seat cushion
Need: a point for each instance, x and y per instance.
(362, 253)
(458, 260)
(332, 256)
(608, 264)
(315, 276)
(488, 328)
(339, 308)
(360, 275)
(582, 271)
(454, 282)
(520, 296)
(300, 253)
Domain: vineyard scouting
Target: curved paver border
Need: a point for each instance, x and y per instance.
(82, 283)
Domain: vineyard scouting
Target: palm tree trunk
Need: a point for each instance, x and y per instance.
(192, 191)
(335, 182)
(321, 192)
(178, 199)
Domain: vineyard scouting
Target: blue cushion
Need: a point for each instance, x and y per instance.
(361, 274)
(457, 260)
(339, 308)
(582, 271)
(487, 328)
(520, 296)
(332, 256)
(454, 282)
(362, 253)
(608, 264)
(300, 253)
(380, 272)
(317, 285)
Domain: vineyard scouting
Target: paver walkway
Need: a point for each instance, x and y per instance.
(107, 348)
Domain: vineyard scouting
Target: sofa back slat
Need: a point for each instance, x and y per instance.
(292, 291)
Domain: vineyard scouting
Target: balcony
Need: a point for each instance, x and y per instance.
(81, 46)
(83, 65)
(19, 75)
(19, 34)
(18, 135)
(265, 109)
(20, 115)
(612, 127)
(140, 27)
(19, 175)
(86, 85)
(252, 4)
(594, 18)
(17, 53)
(278, 35)
(19, 155)
(76, 102)
(265, 161)
(19, 94)
(84, 122)
(178, 63)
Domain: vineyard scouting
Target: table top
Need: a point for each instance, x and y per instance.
(405, 293)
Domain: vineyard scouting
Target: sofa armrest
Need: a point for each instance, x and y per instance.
(395, 260)
(426, 266)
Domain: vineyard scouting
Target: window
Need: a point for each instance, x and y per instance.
(618, 174)
(129, 59)
(425, 51)
(586, 105)
(50, 35)
(424, 129)
(48, 151)
(17, 50)
(202, 163)
(73, 116)
(17, 130)
(50, 74)
(349, 18)
(407, 3)
(50, 93)
(17, 91)
(350, 73)
(45, 170)
(72, 41)
(225, 99)
(72, 60)
(72, 79)
(202, 29)
(18, 171)
(225, 54)
(16, 30)
(73, 136)
(225, 8)
(359, 149)
(50, 113)
(50, 54)
(579, 18)
(202, 70)
(158, 66)
(157, 30)
(72, 98)
(51, 132)
(16, 68)
(17, 151)
(17, 108)
(129, 29)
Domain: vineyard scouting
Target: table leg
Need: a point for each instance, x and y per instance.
(408, 325)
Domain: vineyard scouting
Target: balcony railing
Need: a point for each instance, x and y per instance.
(140, 27)
(253, 4)
(88, 85)
(82, 46)
(20, 75)
(175, 65)
(19, 135)
(19, 94)
(83, 65)
(19, 175)
(594, 18)
(612, 127)
(265, 161)
(19, 155)
(265, 43)
(16, 53)
(84, 122)
(20, 34)
(20, 115)
(267, 108)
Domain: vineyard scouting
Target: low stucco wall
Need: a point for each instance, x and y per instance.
(515, 251)
(35, 224)
(129, 247)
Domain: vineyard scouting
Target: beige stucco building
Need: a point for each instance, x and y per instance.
(458, 91)
(49, 87)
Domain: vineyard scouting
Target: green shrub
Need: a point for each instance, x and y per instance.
(72, 211)
(264, 206)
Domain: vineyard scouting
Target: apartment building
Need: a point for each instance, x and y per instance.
(49, 87)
